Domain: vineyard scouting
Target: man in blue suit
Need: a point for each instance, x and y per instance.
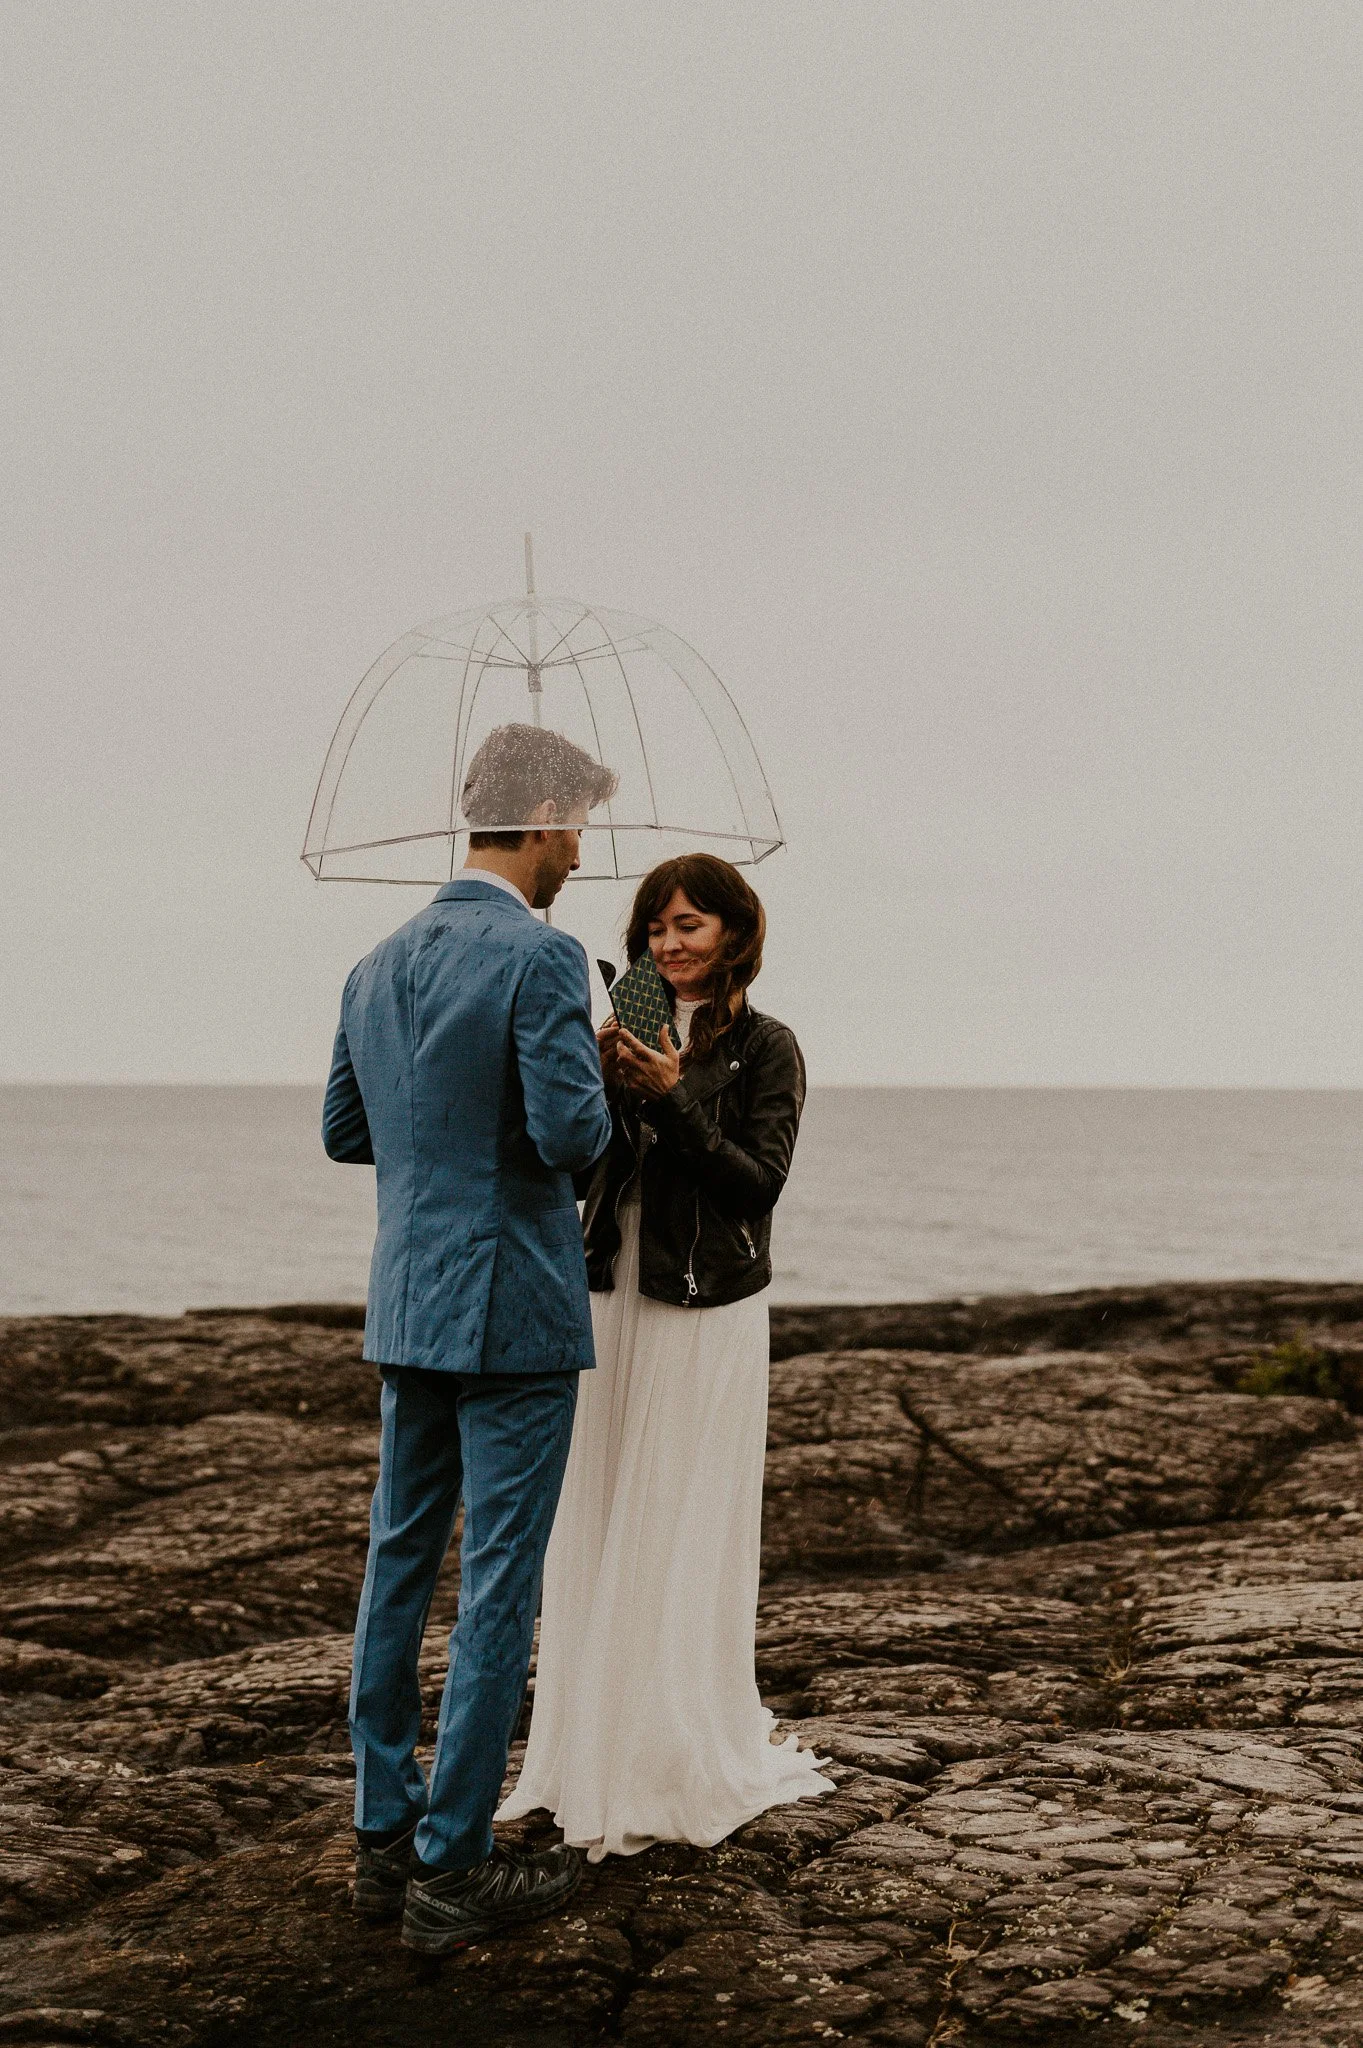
(467, 1073)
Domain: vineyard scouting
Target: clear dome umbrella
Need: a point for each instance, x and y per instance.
(625, 690)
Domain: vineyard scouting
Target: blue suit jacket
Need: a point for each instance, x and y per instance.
(466, 1072)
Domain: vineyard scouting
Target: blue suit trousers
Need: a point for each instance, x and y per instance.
(501, 1440)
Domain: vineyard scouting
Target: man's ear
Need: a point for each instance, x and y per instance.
(544, 815)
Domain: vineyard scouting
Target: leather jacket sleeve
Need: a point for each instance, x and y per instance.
(622, 1133)
(742, 1175)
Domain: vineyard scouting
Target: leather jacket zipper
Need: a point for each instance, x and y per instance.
(691, 1288)
(747, 1239)
(647, 1134)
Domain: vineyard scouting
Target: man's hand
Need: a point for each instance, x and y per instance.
(645, 1072)
(608, 1045)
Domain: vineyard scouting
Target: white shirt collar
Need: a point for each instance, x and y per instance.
(497, 881)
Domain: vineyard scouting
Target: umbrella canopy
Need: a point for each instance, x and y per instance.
(625, 690)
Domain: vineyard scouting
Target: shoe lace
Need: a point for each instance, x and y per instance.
(522, 1870)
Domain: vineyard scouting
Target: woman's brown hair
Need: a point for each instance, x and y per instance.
(716, 887)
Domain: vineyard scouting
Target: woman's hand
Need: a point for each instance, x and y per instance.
(645, 1072)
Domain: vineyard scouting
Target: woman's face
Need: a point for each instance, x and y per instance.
(685, 944)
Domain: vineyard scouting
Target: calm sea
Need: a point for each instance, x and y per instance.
(158, 1199)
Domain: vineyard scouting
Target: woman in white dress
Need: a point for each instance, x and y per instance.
(647, 1722)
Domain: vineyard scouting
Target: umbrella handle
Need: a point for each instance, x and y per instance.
(532, 673)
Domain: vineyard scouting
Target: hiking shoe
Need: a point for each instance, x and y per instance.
(453, 1907)
(381, 1877)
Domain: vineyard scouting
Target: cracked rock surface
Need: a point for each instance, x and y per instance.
(1079, 1625)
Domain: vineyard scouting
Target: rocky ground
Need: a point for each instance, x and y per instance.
(1066, 1586)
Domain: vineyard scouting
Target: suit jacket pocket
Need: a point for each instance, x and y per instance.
(559, 1226)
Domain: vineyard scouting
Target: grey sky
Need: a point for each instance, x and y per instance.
(977, 386)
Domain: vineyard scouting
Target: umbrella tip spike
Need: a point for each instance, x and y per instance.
(529, 566)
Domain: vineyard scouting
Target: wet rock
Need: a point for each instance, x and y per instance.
(1222, 1320)
(883, 1457)
(1077, 1625)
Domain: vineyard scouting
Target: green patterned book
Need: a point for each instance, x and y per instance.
(641, 1002)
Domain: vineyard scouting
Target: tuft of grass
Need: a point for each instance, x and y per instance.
(1292, 1368)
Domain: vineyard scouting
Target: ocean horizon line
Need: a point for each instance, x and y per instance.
(318, 1086)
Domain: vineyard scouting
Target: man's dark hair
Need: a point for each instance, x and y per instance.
(519, 767)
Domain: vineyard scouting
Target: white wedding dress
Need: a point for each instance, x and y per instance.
(647, 1723)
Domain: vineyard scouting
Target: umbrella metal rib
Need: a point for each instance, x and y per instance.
(650, 705)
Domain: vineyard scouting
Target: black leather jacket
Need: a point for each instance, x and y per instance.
(712, 1158)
